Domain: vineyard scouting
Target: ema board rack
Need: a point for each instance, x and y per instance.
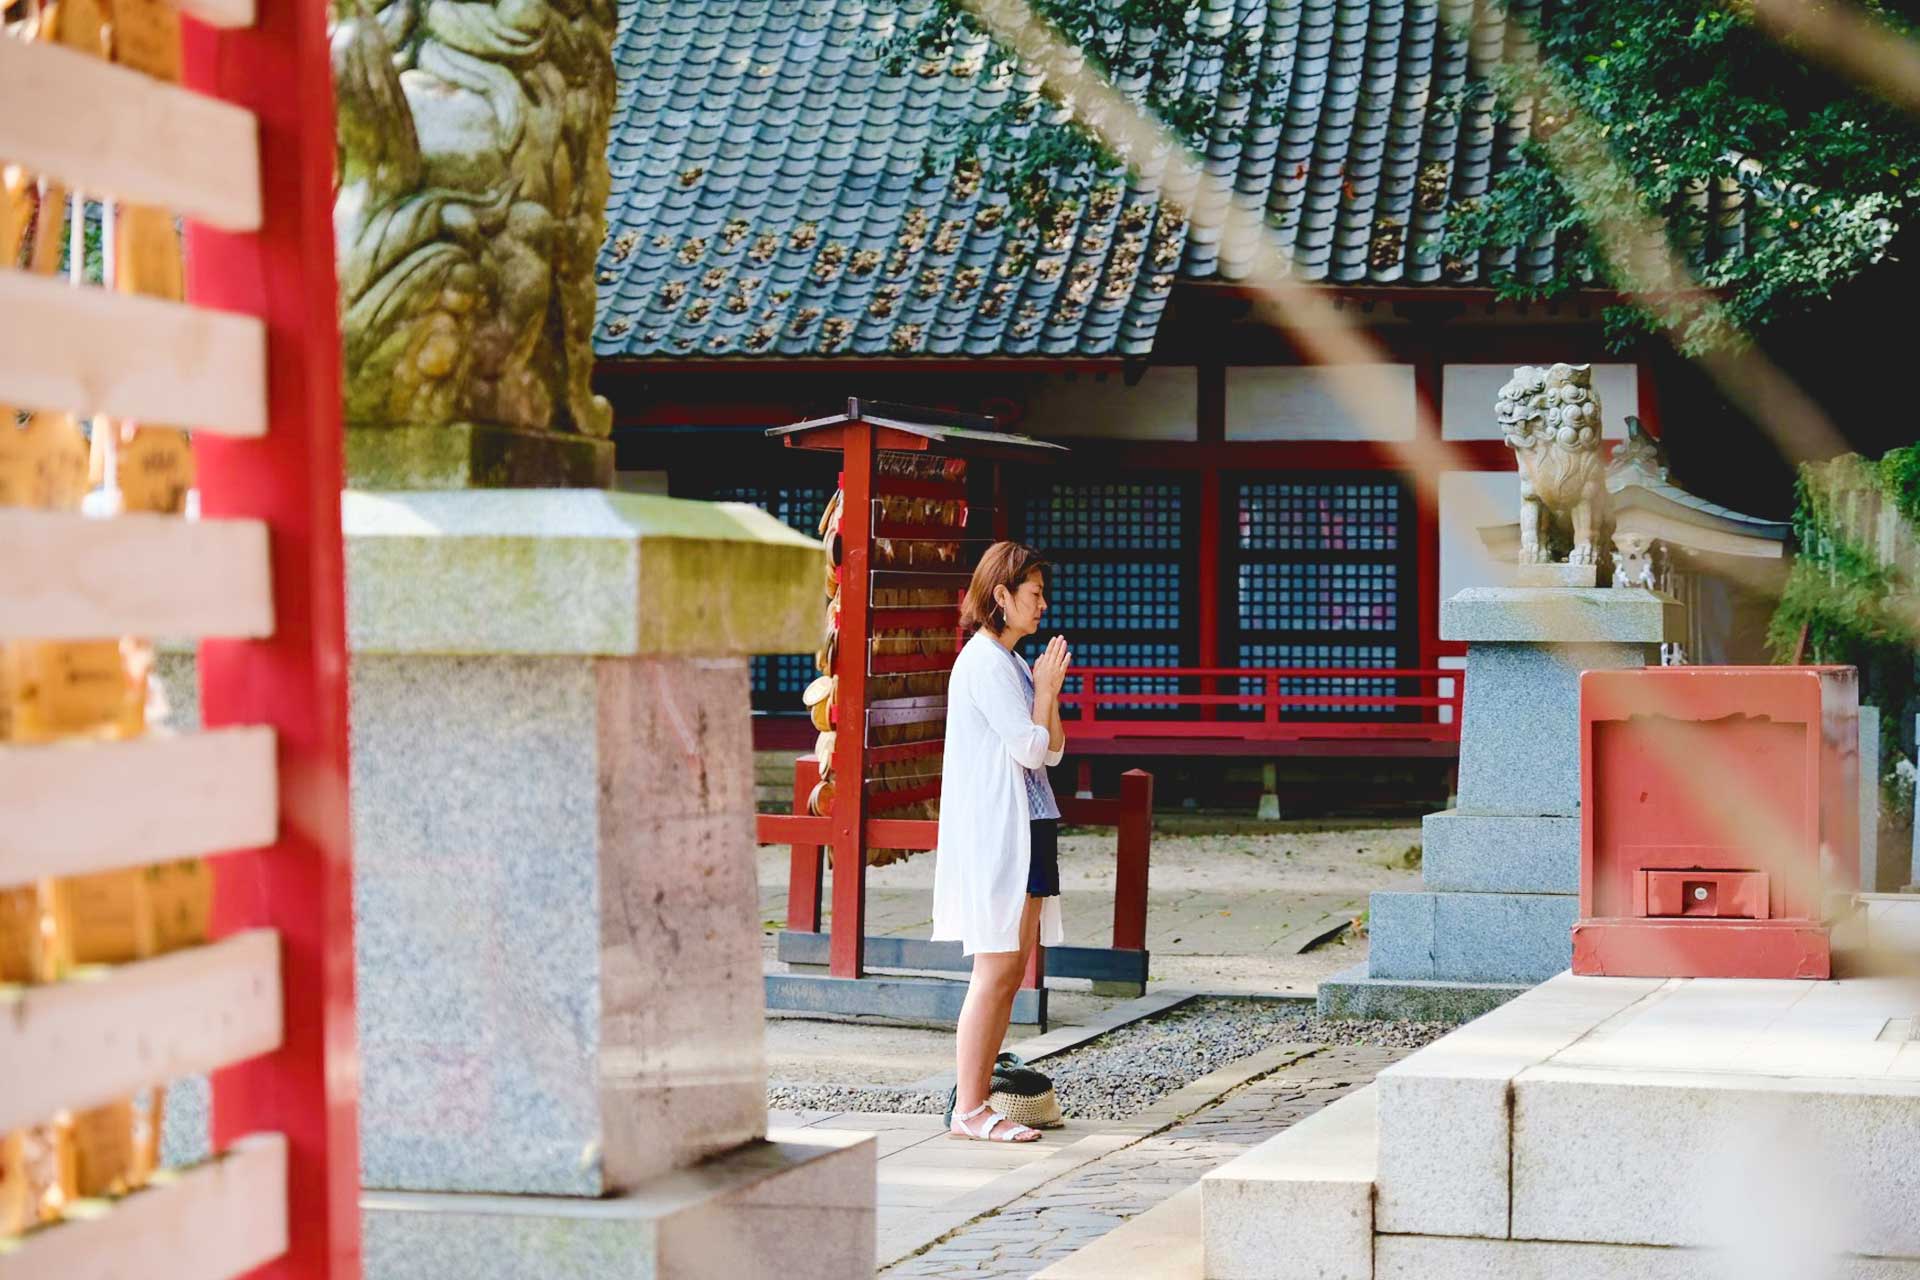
(920, 499)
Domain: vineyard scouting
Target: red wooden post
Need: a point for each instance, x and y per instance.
(1130, 879)
(296, 681)
(804, 869)
(846, 950)
(1036, 973)
(1428, 373)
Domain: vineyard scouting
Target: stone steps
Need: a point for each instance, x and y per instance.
(1300, 1205)
(1679, 1129)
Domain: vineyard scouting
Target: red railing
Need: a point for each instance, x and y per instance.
(1225, 707)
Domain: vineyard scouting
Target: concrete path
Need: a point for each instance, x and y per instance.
(1125, 1174)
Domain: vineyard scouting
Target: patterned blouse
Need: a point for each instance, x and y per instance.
(1040, 801)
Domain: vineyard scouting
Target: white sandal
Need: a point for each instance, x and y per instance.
(989, 1130)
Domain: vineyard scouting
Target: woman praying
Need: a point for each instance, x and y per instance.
(996, 882)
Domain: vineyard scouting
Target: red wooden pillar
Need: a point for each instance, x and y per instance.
(295, 681)
(1211, 428)
(1036, 974)
(846, 951)
(1648, 407)
(804, 869)
(1428, 370)
(1130, 879)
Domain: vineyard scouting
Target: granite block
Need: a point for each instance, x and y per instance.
(1351, 993)
(1563, 615)
(574, 572)
(1500, 853)
(1470, 937)
(466, 455)
(799, 1207)
(1874, 878)
(1444, 1258)
(474, 795)
(1445, 1112)
(557, 939)
(1299, 1205)
(1520, 725)
(1695, 1158)
(1442, 1161)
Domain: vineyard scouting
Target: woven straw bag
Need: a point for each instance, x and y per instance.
(1023, 1095)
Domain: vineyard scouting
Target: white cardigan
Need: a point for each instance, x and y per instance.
(980, 863)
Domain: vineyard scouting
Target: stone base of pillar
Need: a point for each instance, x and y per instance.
(1501, 866)
(799, 1206)
(469, 455)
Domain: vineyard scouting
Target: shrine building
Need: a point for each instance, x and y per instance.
(778, 240)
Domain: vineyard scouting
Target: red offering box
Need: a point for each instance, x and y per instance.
(1719, 820)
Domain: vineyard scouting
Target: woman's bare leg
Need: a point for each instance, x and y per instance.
(988, 1010)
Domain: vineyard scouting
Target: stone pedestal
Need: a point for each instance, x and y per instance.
(557, 925)
(1501, 870)
(470, 455)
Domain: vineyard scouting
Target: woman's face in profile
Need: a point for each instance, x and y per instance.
(1027, 606)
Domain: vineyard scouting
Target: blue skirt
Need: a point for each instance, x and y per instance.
(1043, 864)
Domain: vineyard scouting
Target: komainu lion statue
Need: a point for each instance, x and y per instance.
(1551, 418)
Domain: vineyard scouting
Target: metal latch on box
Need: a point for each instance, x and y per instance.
(1711, 895)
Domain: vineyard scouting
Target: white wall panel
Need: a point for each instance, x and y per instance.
(1320, 402)
(1467, 393)
(1163, 405)
(1468, 500)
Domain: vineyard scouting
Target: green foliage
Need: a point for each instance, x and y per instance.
(1851, 607)
(1683, 97)
(1686, 98)
(1044, 157)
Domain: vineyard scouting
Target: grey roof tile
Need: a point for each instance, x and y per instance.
(772, 189)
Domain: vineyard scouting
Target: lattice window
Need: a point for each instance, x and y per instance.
(1322, 655)
(1313, 596)
(1288, 516)
(1124, 516)
(779, 679)
(1116, 595)
(783, 677)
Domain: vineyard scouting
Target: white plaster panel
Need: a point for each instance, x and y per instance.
(1468, 500)
(1447, 686)
(1321, 402)
(1467, 393)
(1163, 405)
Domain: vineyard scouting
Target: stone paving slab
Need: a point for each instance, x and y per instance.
(1038, 1229)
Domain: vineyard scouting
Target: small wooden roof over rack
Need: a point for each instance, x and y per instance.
(909, 428)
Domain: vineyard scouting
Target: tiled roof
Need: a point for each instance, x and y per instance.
(768, 195)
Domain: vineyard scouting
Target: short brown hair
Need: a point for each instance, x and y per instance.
(1005, 564)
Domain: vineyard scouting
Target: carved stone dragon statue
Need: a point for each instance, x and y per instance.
(470, 200)
(1551, 419)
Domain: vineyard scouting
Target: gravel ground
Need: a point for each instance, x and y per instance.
(1128, 1069)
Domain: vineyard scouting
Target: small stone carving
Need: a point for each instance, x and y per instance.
(469, 204)
(1639, 460)
(1551, 419)
(1633, 555)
